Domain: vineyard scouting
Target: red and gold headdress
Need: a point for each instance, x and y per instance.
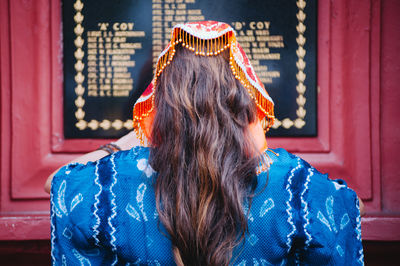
(205, 38)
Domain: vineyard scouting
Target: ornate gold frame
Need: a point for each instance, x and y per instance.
(79, 78)
(301, 76)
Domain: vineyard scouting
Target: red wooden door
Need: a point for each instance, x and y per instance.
(358, 132)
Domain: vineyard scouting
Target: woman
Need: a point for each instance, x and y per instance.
(206, 191)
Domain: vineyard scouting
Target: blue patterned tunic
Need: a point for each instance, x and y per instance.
(103, 213)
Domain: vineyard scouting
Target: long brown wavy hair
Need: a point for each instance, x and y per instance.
(204, 157)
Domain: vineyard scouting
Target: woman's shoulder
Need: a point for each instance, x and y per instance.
(127, 163)
(290, 168)
(127, 157)
(281, 158)
(108, 176)
(281, 166)
(323, 212)
(130, 159)
(299, 180)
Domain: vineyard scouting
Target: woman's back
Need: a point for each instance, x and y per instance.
(105, 213)
(204, 203)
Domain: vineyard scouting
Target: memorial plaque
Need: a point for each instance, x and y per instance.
(110, 48)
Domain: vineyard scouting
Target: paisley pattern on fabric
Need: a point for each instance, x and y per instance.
(61, 197)
(267, 205)
(77, 199)
(299, 215)
(132, 212)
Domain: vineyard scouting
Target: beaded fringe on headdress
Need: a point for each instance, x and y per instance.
(207, 39)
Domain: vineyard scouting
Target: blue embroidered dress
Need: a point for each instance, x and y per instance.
(103, 213)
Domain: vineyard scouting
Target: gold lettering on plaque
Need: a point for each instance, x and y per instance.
(113, 59)
(261, 47)
(110, 54)
(255, 38)
(166, 14)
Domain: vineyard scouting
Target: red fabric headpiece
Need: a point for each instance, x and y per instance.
(206, 38)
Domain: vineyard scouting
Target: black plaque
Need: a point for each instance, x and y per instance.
(110, 48)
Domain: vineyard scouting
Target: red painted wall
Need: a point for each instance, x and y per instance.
(390, 106)
(358, 115)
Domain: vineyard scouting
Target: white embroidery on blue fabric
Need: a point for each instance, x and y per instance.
(136, 151)
(155, 215)
(115, 260)
(344, 221)
(144, 166)
(61, 197)
(329, 210)
(141, 164)
(340, 250)
(265, 262)
(358, 232)
(96, 205)
(53, 229)
(84, 261)
(358, 221)
(64, 260)
(322, 218)
(139, 199)
(337, 185)
(67, 170)
(255, 262)
(361, 258)
(305, 207)
(132, 212)
(149, 241)
(76, 200)
(242, 263)
(253, 239)
(251, 218)
(57, 212)
(154, 262)
(114, 206)
(267, 206)
(67, 233)
(289, 207)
